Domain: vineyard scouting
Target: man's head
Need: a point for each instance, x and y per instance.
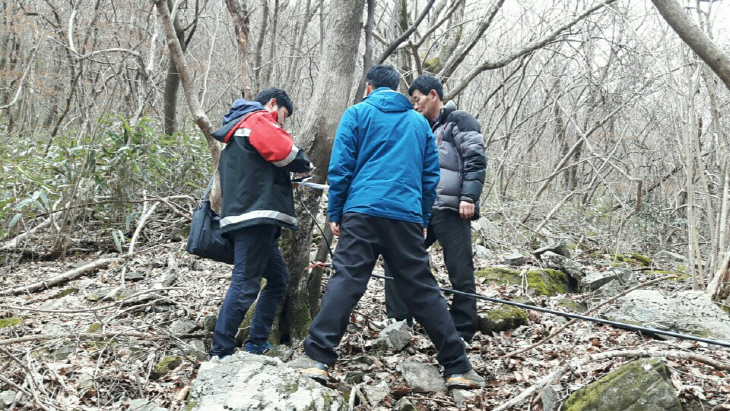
(381, 75)
(427, 94)
(276, 100)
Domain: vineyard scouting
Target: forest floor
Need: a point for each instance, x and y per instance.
(93, 342)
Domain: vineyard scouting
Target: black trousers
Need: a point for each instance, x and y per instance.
(454, 235)
(363, 238)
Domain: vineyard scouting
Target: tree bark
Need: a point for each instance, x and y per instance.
(332, 95)
(240, 16)
(172, 82)
(693, 36)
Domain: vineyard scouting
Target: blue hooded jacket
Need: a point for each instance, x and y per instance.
(384, 161)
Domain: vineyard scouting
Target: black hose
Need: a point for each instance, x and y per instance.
(534, 308)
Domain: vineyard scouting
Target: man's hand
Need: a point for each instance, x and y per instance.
(466, 210)
(425, 232)
(335, 228)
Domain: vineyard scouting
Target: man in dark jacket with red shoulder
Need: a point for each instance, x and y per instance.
(463, 167)
(257, 201)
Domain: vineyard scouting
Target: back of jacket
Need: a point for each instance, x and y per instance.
(254, 168)
(384, 161)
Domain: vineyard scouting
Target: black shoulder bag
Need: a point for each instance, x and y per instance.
(205, 238)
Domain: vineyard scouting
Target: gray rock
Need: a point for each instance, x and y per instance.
(642, 385)
(422, 377)
(558, 248)
(63, 352)
(182, 326)
(354, 377)
(405, 405)
(248, 382)
(376, 393)
(462, 397)
(690, 312)
(559, 262)
(503, 318)
(394, 337)
(485, 231)
(209, 322)
(668, 260)
(550, 397)
(6, 399)
(483, 252)
(197, 349)
(513, 259)
(134, 276)
(611, 289)
(144, 405)
(598, 279)
(282, 352)
(51, 305)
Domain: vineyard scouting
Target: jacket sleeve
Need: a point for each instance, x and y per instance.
(430, 176)
(474, 158)
(342, 164)
(276, 145)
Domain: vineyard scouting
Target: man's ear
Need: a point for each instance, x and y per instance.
(433, 94)
(271, 104)
(368, 89)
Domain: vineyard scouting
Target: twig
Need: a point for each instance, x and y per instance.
(141, 224)
(86, 310)
(591, 311)
(69, 275)
(10, 244)
(91, 336)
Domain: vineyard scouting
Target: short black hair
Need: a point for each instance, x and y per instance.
(383, 75)
(282, 99)
(425, 83)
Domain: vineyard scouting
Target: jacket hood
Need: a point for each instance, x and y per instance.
(449, 108)
(389, 101)
(241, 107)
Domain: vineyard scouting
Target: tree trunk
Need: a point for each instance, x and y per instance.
(172, 81)
(708, 51)
(333, 93)
(191, 95)
(240, 16)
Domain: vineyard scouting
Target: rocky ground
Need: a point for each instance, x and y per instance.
(133, 334)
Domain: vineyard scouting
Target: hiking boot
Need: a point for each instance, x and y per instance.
(258, 348)
(310, 368)
(467, 380)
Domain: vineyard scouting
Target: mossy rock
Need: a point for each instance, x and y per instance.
(165, 365)
(94, 328)
(9, 322)
(66, 292)
(540, 282)
(103, 343)
(504, 318)
(572, 306)
(631, 259)
(642, 385)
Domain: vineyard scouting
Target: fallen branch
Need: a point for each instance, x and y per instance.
(93, 336)
(10, 244)
(69, 275)
(141, 224)
(589, 312)
(117, 304)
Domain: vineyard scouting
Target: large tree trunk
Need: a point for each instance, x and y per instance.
(239, 14)
(172, 81)
(691, 34)
(332, 95)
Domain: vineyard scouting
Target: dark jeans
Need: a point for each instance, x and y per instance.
(363, 238)
(454, 235)
(256, 255)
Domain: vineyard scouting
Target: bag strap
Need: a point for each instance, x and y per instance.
(210, 186)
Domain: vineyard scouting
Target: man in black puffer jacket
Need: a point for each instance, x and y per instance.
(257, 201)
(463, 168)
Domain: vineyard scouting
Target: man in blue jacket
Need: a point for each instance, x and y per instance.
(383, 175)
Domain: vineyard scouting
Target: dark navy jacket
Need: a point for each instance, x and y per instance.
(384, 161)
(254, 168)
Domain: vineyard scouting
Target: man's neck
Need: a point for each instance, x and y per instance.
(440, 110)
